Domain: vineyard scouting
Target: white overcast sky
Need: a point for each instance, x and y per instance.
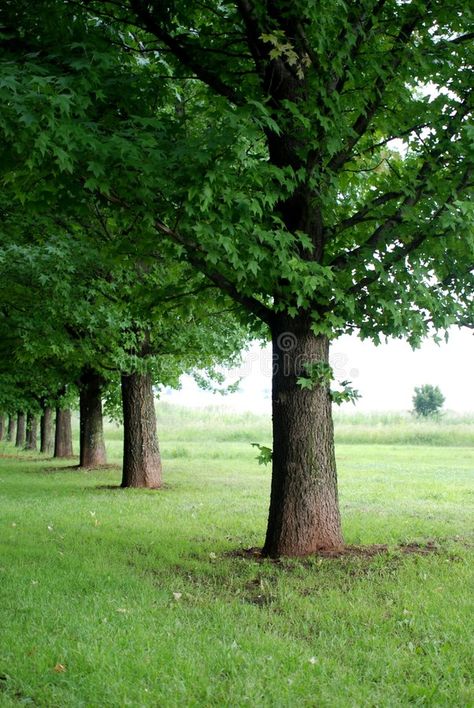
(385, 375)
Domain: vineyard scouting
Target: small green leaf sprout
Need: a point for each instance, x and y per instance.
(265, 454)
(320, 373)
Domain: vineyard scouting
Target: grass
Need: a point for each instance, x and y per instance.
(139, 597)
(395, 428)
(191, 426)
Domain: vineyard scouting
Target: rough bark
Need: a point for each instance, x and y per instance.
(304, 511)
(141, 454)
(2, 427)
(63, 435)
(11, 430)
(20, 430)
(31, 440)
(46, 431)
(91, 431)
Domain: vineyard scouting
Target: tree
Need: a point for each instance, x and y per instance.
(11, 432)
(20, 430)
(31, 440)
(174, 324)
(46, 429)
(63, 435)
(309, 173)
(142, 460)
(427, 400)
(91, 430)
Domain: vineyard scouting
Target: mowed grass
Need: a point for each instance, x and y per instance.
(114, 597)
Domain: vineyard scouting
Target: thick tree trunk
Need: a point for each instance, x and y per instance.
(92, 446)
(31, 442)
(63, 436)
(20, 430)
(46, 431)
(141, 454)
(11, 431)
(304, 511)
(2, 427)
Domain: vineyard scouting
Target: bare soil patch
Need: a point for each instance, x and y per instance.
(347, 551)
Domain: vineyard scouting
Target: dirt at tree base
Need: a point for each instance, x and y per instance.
(349, 551)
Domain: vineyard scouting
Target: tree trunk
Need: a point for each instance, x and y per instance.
(141, 454)
(20, 430)
(31, 442)
(304, 511)
(11, 432)
(91, 432)
(2, 427)
(63, 436)
(46, 431)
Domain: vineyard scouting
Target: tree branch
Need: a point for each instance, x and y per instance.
(253, 32)
(399, 135)
(192, 254)
(362, 122)
(362, 213)
(461, 39)
(401, 252)
(364, 25)
(430, 163)
(182, 52)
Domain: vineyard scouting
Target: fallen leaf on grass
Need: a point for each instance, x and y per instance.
(60, 668)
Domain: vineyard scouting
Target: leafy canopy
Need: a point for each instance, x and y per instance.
(310, 158)
(72, 298)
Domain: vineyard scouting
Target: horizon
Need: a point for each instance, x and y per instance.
(385, 375)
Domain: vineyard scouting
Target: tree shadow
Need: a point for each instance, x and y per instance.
(77, 468)
(109, 487)
(24, 458)
(163, 488)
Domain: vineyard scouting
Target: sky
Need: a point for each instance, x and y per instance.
(384, 375)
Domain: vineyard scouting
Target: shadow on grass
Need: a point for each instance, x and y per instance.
(24, 458)
(114, 487)
(78, 468)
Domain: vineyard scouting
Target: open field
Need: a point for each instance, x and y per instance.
(181, 429)
(114, 597)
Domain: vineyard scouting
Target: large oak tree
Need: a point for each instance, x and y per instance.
(314, 160)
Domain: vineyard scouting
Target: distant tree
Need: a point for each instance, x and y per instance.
(427, 401)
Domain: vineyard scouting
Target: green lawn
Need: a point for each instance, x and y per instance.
(139, 597)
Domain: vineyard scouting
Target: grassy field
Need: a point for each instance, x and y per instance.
(114, 597)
